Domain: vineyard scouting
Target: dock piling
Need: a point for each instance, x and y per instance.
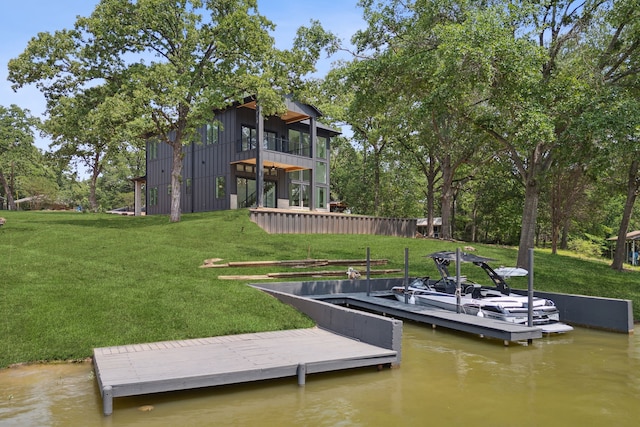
(302, 374)
(107, 400)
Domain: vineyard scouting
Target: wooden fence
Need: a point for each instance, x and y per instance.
(279, 221)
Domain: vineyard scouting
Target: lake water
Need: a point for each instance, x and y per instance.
(585, 377)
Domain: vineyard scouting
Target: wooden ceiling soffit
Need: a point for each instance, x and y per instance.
(288, 117)
(269, 164)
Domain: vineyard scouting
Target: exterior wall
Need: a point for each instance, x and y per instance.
(203, 163)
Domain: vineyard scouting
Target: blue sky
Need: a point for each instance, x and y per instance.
(21, 20)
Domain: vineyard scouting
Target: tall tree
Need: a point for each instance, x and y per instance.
(16, 147)
(173, 61)
(92, 127)
(539, 91)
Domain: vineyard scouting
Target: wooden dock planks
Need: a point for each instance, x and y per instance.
(179, 365)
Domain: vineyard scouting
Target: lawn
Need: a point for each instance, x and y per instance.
(72, 281)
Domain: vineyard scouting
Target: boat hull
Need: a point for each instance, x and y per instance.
(508, 308)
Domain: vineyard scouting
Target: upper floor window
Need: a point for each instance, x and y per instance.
(153, 150)
(248, 138)
(270, 141)
(321, 147)
(299, 143)
(213, 133)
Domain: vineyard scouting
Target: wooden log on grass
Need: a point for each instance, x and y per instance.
(300, 263)
(293, 274)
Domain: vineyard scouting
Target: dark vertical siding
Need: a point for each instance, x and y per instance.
(203, 163)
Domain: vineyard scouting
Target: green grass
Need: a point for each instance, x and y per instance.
(70, 282)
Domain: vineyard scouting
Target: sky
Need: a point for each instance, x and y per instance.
(22, 20)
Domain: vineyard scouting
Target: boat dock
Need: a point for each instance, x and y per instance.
(130, 370)
(383, 302)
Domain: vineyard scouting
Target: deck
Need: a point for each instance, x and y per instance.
(380, 302)
(180, 365)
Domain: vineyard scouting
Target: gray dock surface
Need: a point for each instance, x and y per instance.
(129, 370)
(379, 302)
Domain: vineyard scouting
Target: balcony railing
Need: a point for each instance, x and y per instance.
(280, 145)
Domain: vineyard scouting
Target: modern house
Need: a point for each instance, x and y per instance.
(246, 160)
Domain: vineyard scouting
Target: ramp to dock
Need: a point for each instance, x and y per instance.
(179, 365)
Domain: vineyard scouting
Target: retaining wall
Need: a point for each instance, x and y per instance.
(593, 312)
(366, 327)
(280, 221)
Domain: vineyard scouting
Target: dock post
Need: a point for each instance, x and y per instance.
(302, 374)
(368, 271)
(406, 275)
(107, 400)
(530, 294)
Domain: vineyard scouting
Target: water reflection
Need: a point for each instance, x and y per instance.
(586, 377)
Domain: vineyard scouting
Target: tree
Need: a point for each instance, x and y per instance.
(626, 144)
(17, 150)
(173, 62)
(93, 126)
(540, 90)
(422, 83)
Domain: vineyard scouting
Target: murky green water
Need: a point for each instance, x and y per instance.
(586, 378)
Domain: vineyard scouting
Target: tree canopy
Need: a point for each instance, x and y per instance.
(164, 66)
(508, 81)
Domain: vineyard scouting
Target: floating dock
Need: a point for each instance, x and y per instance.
(180, 365)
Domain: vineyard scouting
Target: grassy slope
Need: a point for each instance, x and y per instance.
(70, 282)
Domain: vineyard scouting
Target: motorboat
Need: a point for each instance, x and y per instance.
(464, 296)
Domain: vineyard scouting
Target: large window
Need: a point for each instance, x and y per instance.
(247, 193)
(321, 147)
(270, 141)
(321, 172)
(299, 143)
(299, 195)
(299, 188)
(321, 197)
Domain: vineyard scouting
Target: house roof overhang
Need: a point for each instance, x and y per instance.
(632, 235)
(290, 116)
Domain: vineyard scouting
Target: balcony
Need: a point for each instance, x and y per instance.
(279, 145)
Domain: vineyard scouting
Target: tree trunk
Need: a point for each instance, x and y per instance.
(8, 191)
(93, 182)
(529, 218)
(555, 215)
(431, 174)
(376, 181)
(633, 184)
(431, 194)
(564, 241)
(176, 179)
(446, 198)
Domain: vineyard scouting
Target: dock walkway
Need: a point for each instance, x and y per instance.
(379, 302)
(179, 365)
